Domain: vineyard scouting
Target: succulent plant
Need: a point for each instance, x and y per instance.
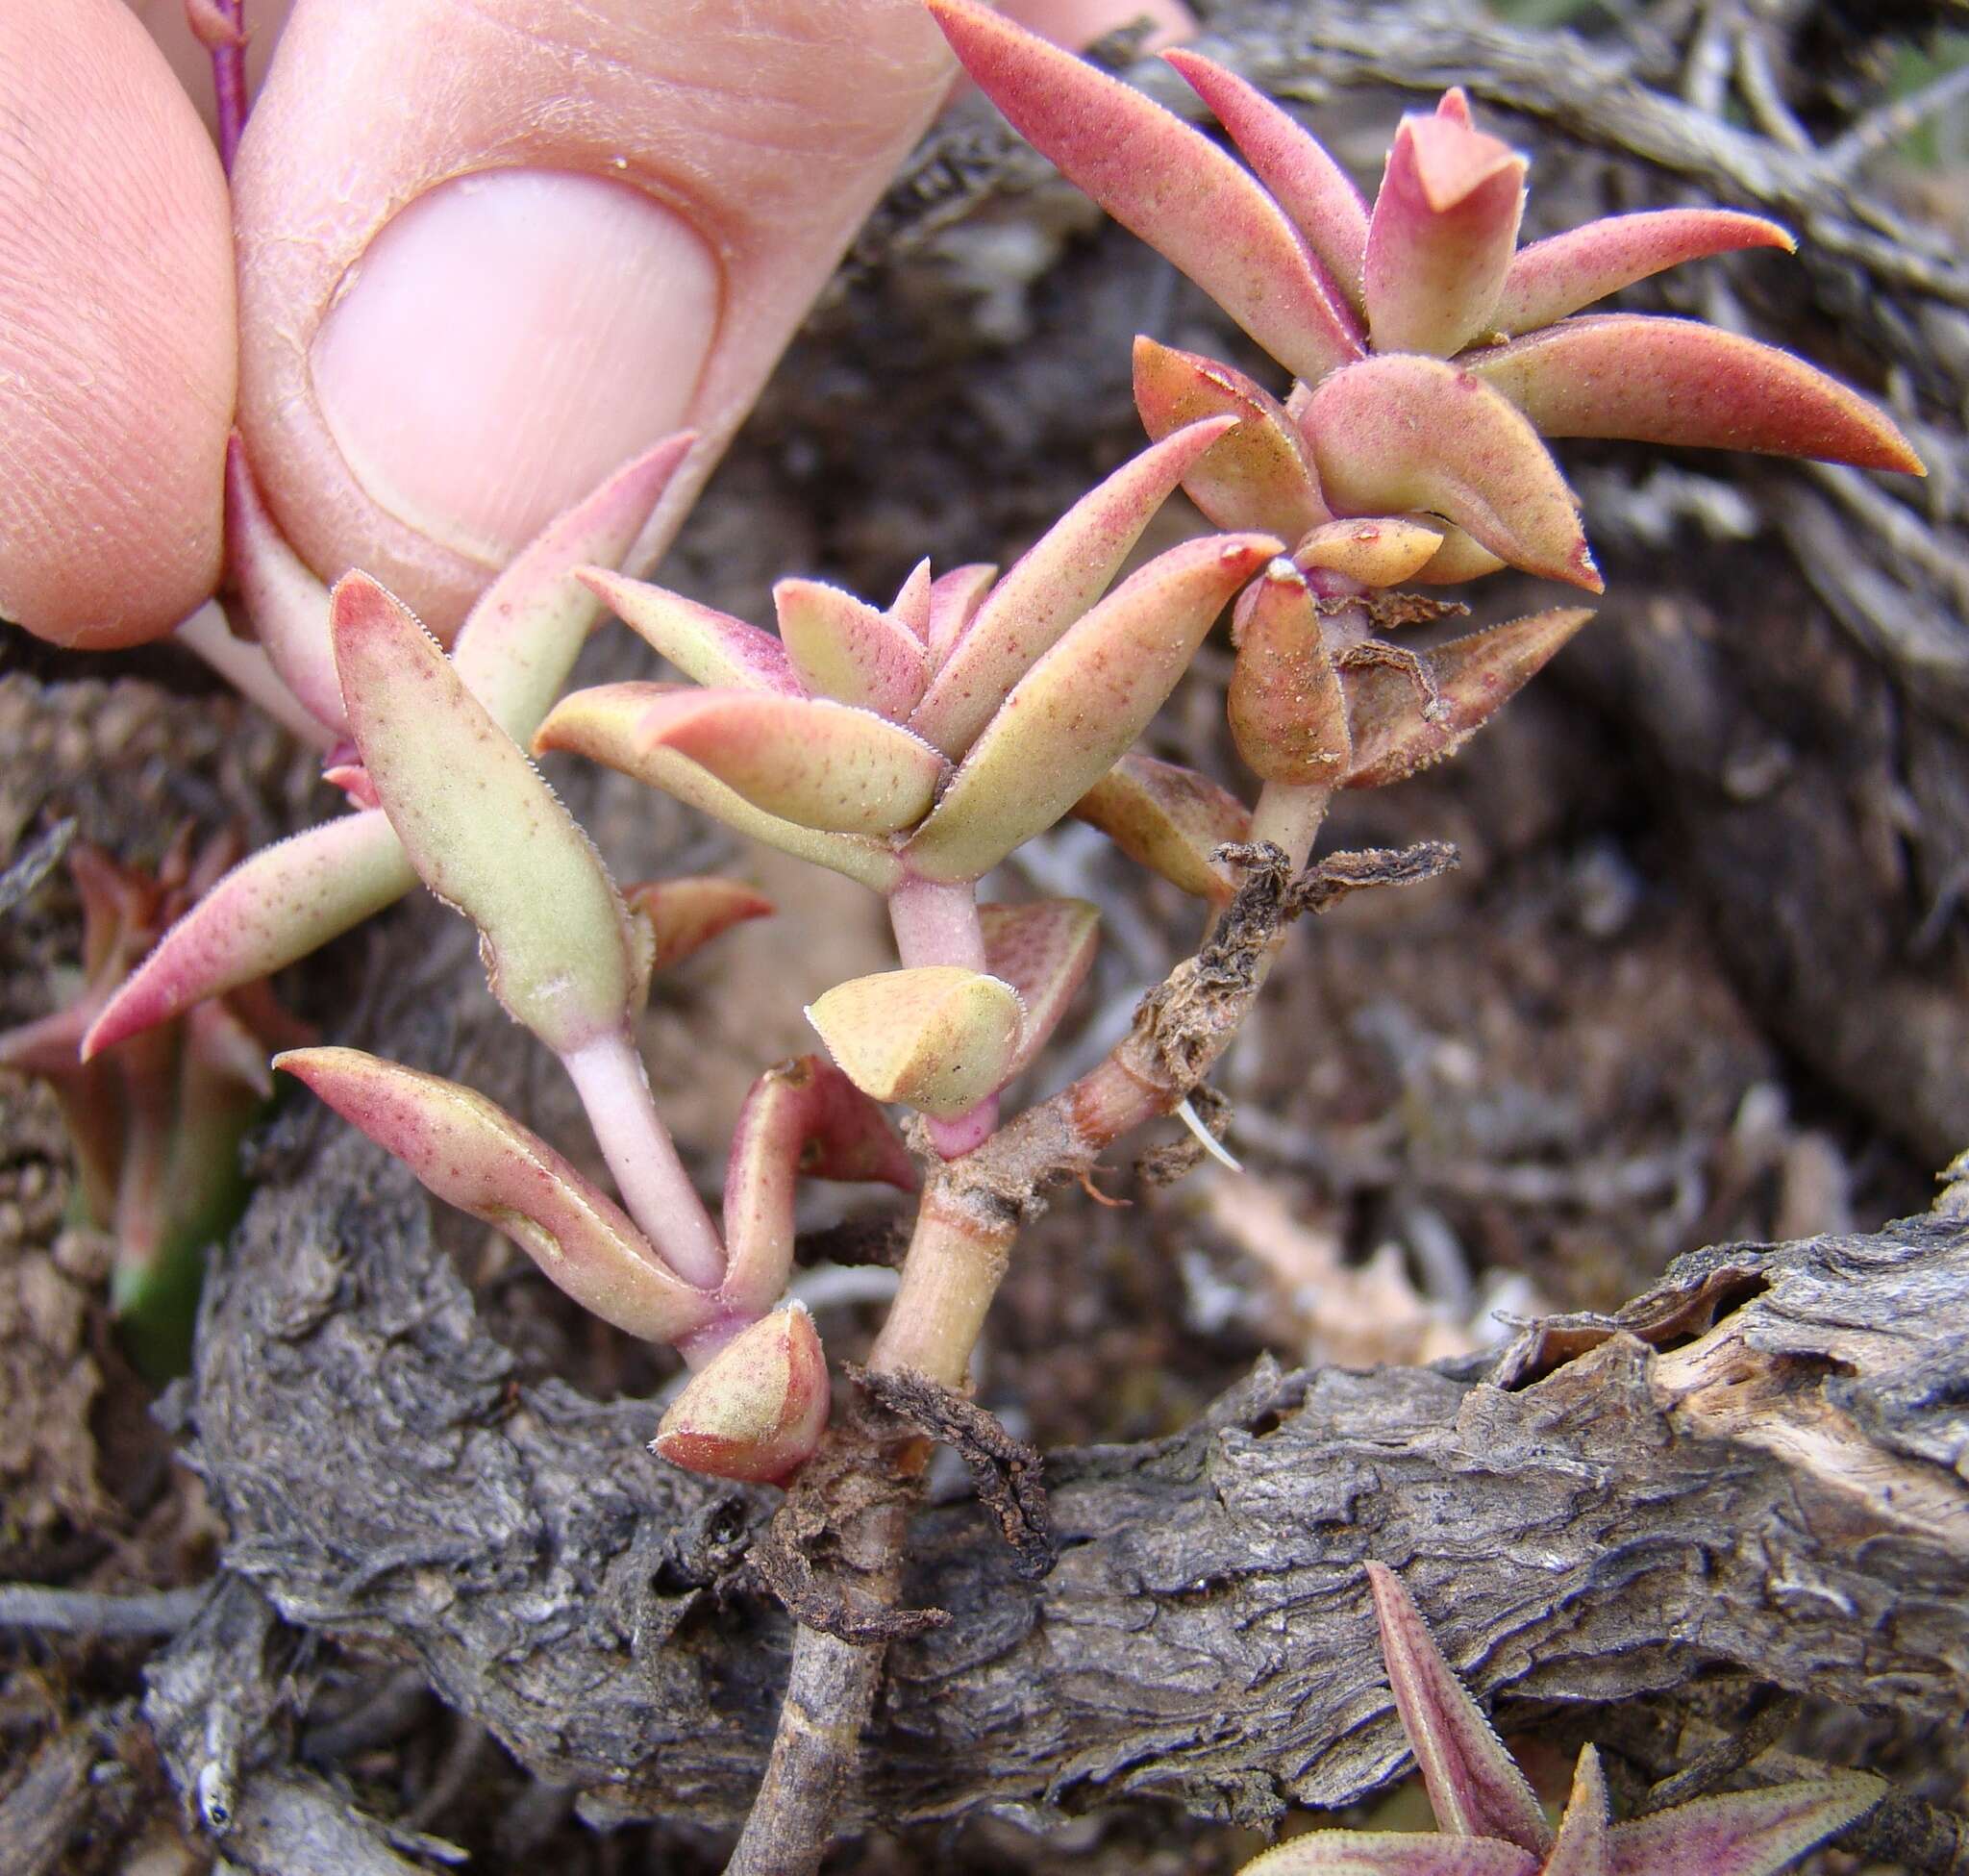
(1491, 1822)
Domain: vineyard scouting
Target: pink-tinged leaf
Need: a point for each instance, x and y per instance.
(1454, 107)
(1169, 819)
(273, 908)
(1051, 586)
(757, 1408)
(1167, 182)
(1044, 951)
(841, 647)
(1439, 245)
(682, 915)
(1073, 715)
(1289, 717)
(1392, 1853)
(1475, 677)
(802, 1119)
(1745, 1833)
(1564, 272)
(1456, 560)
(475, 1156)
(953, 601)
(1258, 475)
(1317, 195)
(1397, 433)
(911, 607)
(287, 605)
(353, 780)
(707, 646)
(606, 725)
(1473, 1784)
(1380, 552)
(482, 828)
(518, 644)
(1676, 381)
(808, 759)
(938, 1037)
(1583, 1847)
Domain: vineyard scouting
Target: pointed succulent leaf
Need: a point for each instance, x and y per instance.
(1074, 715)
(803, 1118)
(757, 1409)
(1407, 433)
(937, 1038)
(1317, 195)
(1583, 1847)
(1167, 182)
(1044, 951)
(707, 646)
(1458, 559)
(519, 641)
(911, 607)
(1383, 551)
(1475, 677)
(1744, 1833)
(1454, 107)
(287, 605)
(1258, 475)
(1051, 586)
(1473, 1784)
(1169, 819)
(1288, 715)
(841, 647)
(953, 601)
(273, 908)
(826, 765)
(475, 1156)
(606, 724)
(1676, 381)
(482, 829)
(1392, 1853)
(685, 915)
(1564, 272)
(1440, 242)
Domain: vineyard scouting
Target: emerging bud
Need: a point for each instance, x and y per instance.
(937, 1038)
(757, 1408)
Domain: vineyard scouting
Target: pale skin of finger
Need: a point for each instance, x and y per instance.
(117, 329)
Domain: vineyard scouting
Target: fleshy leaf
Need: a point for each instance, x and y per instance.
(1582, 1846)
(1454, 107)
(1676, 381)
(482, 828)
(937, 1038)
(1167, 182)
(1259, 474)
(1396, 433)
(1473, 1784)
(604, 724)
(1074, 715)
(1392, 1853)
(808, 759)
(1564, 272)
(475, 1156)
(1317, 195)
(274, 907)
(1440, 242)
(1169, 819)
(1289, 717)
(685, 915)
(1475, 677)
(1051, 586)
(1744, 1833)
(519, 641)
(911, 608)
(953, 601)
(707, 646)
(1456, 560)
(1043, 950)
(287, 605)
(841, 647)
(803, 1118)
(757, 1409)
(1384, 551)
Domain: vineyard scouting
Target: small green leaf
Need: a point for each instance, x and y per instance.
(757, 1409)
(841, 647)
(939, 1038)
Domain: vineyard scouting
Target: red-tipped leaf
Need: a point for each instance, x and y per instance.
(757, 1409)
(682, 915)
(710, 647)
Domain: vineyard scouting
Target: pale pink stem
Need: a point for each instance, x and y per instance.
(250, 672)
(229, 79)
(937, 924)
(656, 1192)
